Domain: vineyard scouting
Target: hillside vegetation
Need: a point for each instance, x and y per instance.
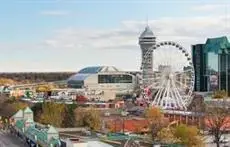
(30, 77)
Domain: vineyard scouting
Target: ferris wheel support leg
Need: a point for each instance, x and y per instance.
(174, 99)
(180, 99)
(159, 94)
(181, 104)
(156, 98)
(167, 94)
(163, 101)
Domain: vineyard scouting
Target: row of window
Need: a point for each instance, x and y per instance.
(114, 79)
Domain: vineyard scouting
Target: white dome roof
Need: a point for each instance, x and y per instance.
(147, 33)
(109, 69)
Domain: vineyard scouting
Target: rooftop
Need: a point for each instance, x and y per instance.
(28, 110)
(147, 33)
(97, 69)
(85, 72)
(217, 45)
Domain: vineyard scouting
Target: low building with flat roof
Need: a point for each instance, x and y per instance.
(103, 82)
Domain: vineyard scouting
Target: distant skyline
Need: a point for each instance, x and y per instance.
(67, 35)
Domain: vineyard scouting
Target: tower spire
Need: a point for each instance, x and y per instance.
(147, 21)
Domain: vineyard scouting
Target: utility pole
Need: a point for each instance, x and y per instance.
(123, 125)
(219, 71)
(226, 74)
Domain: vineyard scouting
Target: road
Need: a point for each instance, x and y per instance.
(8, 140)
(209, 141)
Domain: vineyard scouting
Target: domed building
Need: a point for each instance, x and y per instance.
(104, 81)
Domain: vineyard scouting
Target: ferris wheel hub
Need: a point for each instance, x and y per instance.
(171, 76)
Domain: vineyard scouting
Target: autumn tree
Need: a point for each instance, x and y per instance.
(44, 88)
(217, 120)
(188, 136)
(166, 135)
(17, 105)
(219, 94)
(5, 81)
(52, 113)
(88, 117)
(156, 120)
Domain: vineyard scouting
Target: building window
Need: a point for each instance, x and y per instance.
(114, 79)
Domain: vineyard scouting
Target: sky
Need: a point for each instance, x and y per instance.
(67, 35)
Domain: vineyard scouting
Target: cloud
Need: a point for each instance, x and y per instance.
(208, 7)
(54, 12)
(73, 48)
(115, 45)
(186, 31)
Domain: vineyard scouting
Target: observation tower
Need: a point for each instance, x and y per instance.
(147, 40)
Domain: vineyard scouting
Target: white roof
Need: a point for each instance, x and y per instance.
(19, 114)
(51, 130)
(28, 110)
(97, 144)
(109, 69)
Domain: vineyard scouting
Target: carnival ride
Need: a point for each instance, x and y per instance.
(171, 85)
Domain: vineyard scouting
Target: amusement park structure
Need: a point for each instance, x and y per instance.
(171, 85)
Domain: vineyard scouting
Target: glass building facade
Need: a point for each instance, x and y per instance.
(102, 75)
(116, 78)
(212, 65)
(199, 59)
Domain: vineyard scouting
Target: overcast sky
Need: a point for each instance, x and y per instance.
(67, 35)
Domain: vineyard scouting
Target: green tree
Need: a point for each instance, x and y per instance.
(188, 136)
(52, 113)
(37, 109)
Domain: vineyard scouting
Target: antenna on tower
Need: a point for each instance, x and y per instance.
(147, 21)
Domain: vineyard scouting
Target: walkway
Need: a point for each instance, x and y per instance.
(8, 140)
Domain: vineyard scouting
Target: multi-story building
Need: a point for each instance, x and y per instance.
(212, 65)
(199, 59)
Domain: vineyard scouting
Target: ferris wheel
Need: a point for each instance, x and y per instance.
(170, 83)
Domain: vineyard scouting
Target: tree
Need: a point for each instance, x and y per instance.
(69, 117)
(52, 113)
(44, 88)
(156, 120)
(188, 136)
(5, 81)
(166, 135)
(37, 109)
(219, 94)
(88, 117)
(217, 120)
(19, 105)
(92, 119)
